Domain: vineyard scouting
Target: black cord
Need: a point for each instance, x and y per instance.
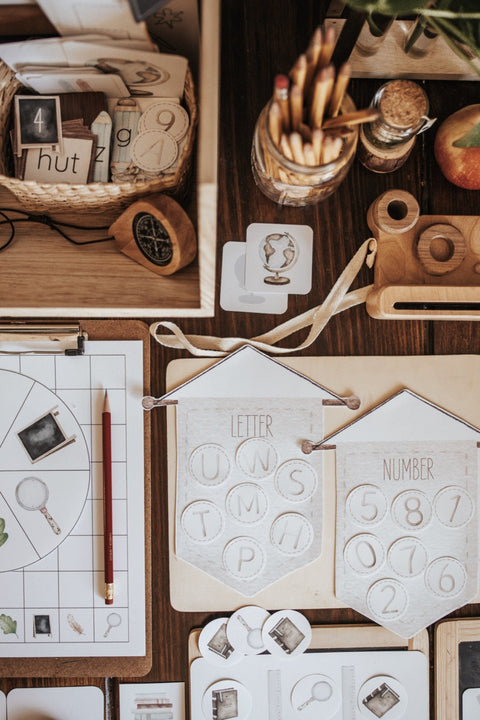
(52, 224)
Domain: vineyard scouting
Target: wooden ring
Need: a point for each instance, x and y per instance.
(441, 248)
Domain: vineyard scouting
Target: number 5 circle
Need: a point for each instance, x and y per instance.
(367, 505)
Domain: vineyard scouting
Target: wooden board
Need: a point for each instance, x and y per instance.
(449, 682)
(391, 61)
(447, 381)
(344, 637)
(106, 666)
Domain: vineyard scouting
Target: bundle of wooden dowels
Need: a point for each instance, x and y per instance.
(304, 119)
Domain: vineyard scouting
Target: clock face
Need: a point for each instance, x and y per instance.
(152, 238)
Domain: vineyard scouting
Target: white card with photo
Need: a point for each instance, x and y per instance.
(471, 704)
(233, 295)
(155, 700)
(279, 258)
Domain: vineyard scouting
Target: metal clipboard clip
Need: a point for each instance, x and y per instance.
(39, 339)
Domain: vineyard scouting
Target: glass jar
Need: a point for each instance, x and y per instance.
(285, 181)
(403, 107)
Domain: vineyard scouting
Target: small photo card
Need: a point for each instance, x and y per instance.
(38, 121)
(279, 258)
(233, 295)
(152, 700)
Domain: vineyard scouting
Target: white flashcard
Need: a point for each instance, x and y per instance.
(56, 703)
(287, 633)
(3, 706)
(79, 81)
(152, 700)
(279, 258)
(244, 629)
(233, 295)
(146, 74)
(471, 704)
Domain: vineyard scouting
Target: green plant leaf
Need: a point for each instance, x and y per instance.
(8, 625)
(3, 538)
(470, 139)
(2, 525)
(388, 7)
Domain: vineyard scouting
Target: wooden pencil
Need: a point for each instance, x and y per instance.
(322, 88)
(355, 118)
(298, 72)
(280, 95)
(275, 122)
(296, 107)
(339, 89)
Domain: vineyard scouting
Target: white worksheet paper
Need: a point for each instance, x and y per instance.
(52, 584)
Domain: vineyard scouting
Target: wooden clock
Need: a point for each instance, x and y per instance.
(157, 233)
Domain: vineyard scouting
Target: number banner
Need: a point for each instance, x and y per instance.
(406, 546)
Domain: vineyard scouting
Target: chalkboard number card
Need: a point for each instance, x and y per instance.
(38, 122)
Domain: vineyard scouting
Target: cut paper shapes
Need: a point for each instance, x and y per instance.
(215, 646)
(244, 629)
(287, 633)
(382, 697)
(406, 537)
(240, 424)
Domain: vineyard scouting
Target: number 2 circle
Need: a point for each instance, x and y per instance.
(387, 599)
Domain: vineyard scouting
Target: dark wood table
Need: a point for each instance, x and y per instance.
(260, 39)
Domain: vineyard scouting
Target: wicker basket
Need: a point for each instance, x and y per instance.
(95, 197)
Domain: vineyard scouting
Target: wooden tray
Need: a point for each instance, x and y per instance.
(450, 673)
(43, 275)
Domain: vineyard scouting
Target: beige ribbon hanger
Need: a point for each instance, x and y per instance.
(337, 300)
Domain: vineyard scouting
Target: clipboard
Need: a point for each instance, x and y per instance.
(76, 665)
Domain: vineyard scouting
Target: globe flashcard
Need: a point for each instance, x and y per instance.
(406, 526)
(249, 504)
(278, 258)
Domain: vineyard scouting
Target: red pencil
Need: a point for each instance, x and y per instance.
(107, 500)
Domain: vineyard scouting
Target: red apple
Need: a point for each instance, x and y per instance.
(457, 147)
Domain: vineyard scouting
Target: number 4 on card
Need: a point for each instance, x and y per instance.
(38, 122)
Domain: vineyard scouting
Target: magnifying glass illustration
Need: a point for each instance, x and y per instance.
(321, 692)
(113, 620)
(254, 635)
(32, 494)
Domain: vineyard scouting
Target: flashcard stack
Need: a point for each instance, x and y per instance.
(406, 537)
(274, 262)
